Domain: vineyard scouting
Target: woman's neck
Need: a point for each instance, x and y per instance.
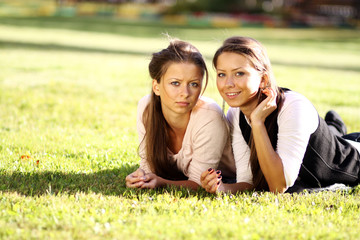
(248, 109)
(178, 123)
(177, 128)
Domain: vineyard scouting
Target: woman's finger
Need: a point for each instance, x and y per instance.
(134, 185)
(149, 185)
(215, 187)
(132, 179)
(139, 173)
(204, 178)
(212, 183)
(205, 173)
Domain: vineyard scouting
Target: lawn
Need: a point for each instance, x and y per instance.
(68, 94)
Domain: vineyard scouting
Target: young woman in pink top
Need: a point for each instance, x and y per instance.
(181, 134)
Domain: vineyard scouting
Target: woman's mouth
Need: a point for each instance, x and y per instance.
(183, 104)
(232, 95)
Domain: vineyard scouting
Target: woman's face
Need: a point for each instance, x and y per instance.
(237, 80)
(179, 88)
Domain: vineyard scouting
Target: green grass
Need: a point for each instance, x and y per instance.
(68, 94)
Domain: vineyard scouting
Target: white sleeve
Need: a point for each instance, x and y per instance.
(297, 120)
(141, 132)
(240, 148)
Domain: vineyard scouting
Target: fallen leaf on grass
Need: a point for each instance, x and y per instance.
(25, 157)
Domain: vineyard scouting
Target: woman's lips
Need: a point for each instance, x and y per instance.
(232, 95)
(183, 104)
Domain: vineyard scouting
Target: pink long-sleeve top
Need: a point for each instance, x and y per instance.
(206, 143)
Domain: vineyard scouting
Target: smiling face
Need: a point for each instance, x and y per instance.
(237, 80)
(179, 88)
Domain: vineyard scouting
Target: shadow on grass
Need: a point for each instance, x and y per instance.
(107, 182)
(154, 29)
(59, 47)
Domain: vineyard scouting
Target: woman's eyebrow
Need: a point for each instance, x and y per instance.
(218, 69)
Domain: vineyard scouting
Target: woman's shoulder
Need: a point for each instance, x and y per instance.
(142, 103)
(207, 112)
(297, 110)
(296, 101)
(292, 96)
(144, 100)
(208, 120)
(206, 106)
(233, 115)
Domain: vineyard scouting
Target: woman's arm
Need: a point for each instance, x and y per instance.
(207, 142)
(152, 181)
(139, 179)
(270, 162)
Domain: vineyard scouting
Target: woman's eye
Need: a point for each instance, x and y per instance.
(175, 83)
(239, 74)
(194, 84)
(221, 75)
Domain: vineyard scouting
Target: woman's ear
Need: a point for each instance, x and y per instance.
(155, 86)
(264, 81)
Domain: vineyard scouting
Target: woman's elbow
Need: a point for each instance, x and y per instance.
(278, 190)
(279, 187)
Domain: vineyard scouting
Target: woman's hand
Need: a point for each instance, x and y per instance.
(152, 181)
(211, 180)
(265, 108)
(135, 179)
(139, 179)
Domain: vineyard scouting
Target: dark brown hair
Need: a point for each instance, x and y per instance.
(256, 54)
(156, 139)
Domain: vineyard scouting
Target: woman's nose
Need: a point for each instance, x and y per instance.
(229, 82)
(185, 90)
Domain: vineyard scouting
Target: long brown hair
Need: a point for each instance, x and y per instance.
(156, 139)
(256, 54)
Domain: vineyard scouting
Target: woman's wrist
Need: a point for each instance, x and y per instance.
(160, 182)
(254, 120)
(222, 187)
(257, 123)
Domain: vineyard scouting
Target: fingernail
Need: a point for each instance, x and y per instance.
(209, 169)
(219, 177)
(218, 183)
(218, 172)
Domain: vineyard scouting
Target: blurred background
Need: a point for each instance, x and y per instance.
(214, 13)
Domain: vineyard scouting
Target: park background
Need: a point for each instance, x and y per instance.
(71, 73)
